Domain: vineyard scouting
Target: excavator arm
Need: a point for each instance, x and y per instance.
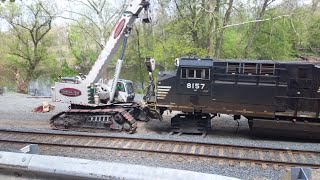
(81, 90)
(121, 30)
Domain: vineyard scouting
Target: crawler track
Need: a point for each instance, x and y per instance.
(240, 155)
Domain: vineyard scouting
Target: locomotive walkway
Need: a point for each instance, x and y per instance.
(223, 154)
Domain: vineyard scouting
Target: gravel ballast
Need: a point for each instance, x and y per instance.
(16, 113)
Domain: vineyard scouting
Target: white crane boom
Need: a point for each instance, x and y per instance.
(82, 90)
(126, 21)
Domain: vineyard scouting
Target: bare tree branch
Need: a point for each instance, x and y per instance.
(87, 17)
(254, 21)
(83, 28)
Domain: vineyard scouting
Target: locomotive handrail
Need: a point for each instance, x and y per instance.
(275, 80)
(241, 74)
(291, 97)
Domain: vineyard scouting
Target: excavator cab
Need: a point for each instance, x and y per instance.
(124, 91)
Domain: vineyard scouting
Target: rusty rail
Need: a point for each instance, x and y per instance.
(235, 154)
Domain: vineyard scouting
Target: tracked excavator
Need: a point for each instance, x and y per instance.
(94, 103)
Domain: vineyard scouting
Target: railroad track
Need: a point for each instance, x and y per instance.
(241, 155)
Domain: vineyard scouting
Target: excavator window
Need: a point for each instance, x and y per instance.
(120, 87)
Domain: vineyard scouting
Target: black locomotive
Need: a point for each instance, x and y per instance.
(277, 97)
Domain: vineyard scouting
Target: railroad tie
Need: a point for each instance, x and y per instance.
(159, 147)
(293, 159)
(221, 152)
(118, 144)
(193, 149)
(251, 153)
(275, 166)
(303, 158)
(314, 158)
(176, 147)
(211, 150)
(89, 142)
(7, 136)
(261, 155)
(127, 145)
(149, 146)
(241, 153)
(55, 140)
(201, 151)
(64, 142)
(184, 149)
(142, 145)
(112, 143)
(282, 157)
(97, 142)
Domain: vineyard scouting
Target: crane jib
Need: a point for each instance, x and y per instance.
(119, 28)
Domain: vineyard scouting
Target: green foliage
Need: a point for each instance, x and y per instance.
(66, 70)
(314, 34)
(84, 50)
(29, 42)
(233, 44)
(177, 43)
(274, 41)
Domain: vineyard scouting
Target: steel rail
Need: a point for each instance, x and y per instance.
(99, 135)
(117, 146)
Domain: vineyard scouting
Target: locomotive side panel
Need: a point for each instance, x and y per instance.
(247, 100)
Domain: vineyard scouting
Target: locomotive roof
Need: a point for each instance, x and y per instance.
(207, 62)
(263, 61)
(193, 62)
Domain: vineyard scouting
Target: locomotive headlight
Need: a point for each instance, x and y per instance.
(177, 62)
(150, 64)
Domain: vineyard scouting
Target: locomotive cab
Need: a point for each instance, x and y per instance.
(193, 82)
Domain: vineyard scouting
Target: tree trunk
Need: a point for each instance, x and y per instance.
(211, 27)
(221, 33)
(102, 30)
(256, 26)
(141, 79)
(314, 5)
(217, 23)
(21, 85)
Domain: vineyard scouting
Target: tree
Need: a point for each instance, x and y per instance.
(256, 26)
(83, 49)
(220, 31)
(29, 25)
(100, 14)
